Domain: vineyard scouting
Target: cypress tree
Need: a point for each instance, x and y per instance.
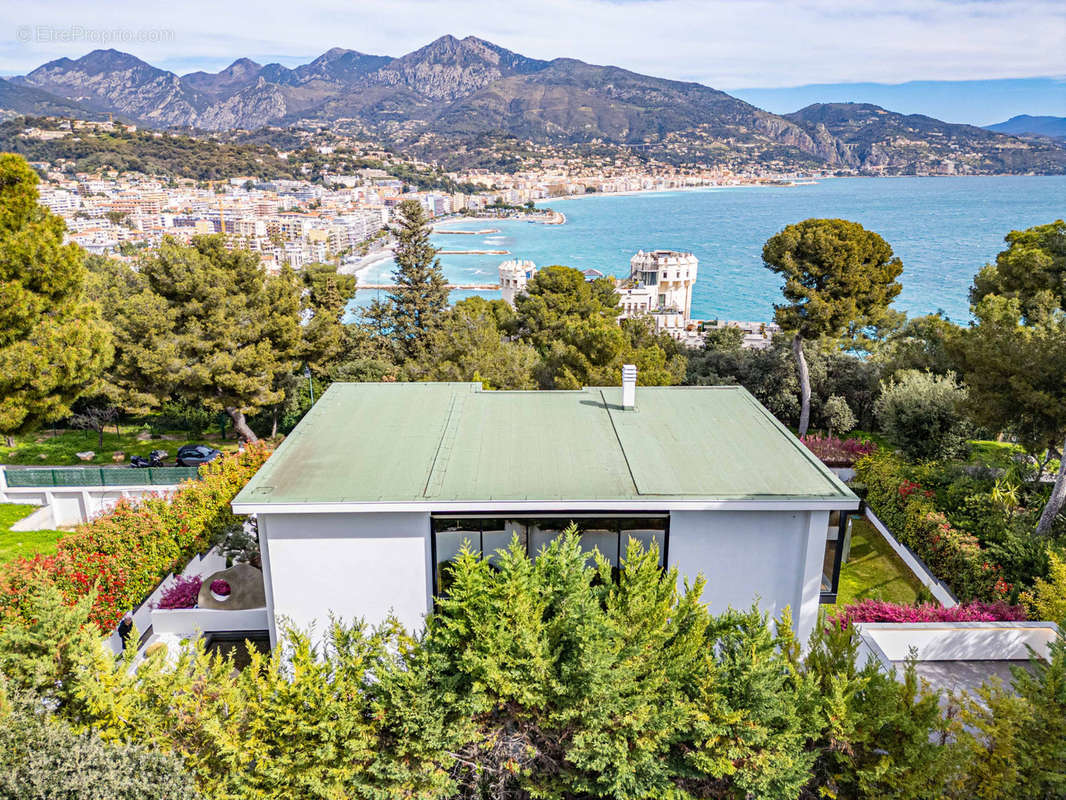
(421, 293)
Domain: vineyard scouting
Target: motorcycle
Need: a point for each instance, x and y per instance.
(155, 459)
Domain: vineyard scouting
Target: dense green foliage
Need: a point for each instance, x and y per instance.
(43, 758)
(471, 344)
(150, 152)
(543, 678)
(1047, 600)
(922, 415)
(572, 323)
(1014, 358)
(908, 508)
(564, 334)
(421, 293)
(122, 556)
(207, 326)
(770, 375)
(53, 345)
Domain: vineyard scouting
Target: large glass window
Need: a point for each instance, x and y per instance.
(837, 542)
(488, 535)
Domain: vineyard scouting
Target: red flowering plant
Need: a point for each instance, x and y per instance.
(124, 554)
(836, 452)
(220, 587)
(954, 556)
(882, 611)
(182, 593)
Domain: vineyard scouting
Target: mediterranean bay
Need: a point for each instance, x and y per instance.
(944, 229)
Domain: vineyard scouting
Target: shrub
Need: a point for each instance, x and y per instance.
(921, 414)
(976, 611)
(536, 679)
(43, 758)
(182, 593)
(1047, 600)
(125, 553)
(838, 416)
(909, 511)
(837, 452)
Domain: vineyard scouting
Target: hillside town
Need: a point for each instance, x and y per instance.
(336, 215)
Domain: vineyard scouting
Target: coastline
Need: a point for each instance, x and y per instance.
(364, 263)
(634, 192)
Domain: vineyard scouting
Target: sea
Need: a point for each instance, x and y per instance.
(943, 228)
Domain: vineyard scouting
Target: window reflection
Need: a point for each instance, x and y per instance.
(489, 536)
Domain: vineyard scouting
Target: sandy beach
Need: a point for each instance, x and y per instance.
(365, 262)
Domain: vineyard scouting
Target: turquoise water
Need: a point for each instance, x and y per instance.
(944, 229)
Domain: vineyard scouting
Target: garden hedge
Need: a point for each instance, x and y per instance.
(124, 554)
(955, 557)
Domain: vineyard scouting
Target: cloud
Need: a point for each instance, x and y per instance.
(723, 44)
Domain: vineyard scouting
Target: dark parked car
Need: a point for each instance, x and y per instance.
(193, 455)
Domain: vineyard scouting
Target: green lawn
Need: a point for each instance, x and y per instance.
(17, 544)
(874, 571)
(45, 448)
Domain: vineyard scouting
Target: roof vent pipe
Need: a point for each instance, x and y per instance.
(629, 386)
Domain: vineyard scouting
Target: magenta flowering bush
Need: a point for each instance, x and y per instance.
(837, 452)
(976, 611)
(182, 594)
(220, 587)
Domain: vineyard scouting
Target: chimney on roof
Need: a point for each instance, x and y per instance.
(629, 386)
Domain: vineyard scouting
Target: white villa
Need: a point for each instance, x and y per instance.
(363, 506)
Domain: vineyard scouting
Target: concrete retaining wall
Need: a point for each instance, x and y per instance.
(193, 621)
(956, 641)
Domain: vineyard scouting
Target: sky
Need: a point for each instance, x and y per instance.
(728, 45)
(978, 102)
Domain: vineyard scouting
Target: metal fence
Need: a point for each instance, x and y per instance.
(98, 476)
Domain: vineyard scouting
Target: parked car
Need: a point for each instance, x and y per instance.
(193, 455)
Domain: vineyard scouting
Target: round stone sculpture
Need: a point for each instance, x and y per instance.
(246, 589)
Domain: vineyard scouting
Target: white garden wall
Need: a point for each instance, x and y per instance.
(957, 641)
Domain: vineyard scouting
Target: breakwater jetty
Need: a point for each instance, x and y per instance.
(473, 252)
(483, 232)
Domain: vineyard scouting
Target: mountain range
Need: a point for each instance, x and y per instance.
(455, 90)
(1025, 125)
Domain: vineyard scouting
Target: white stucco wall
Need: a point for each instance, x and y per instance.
(366, 565)
(770, 557)
(353, 565)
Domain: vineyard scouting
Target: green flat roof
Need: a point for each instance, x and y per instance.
(452, 442)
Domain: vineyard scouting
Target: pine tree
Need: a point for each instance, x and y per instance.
(326, 294)
(206, 325)
(837, 275)
(53, 345)
(421, 293)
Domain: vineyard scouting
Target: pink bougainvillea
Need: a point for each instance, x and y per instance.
(181, 594)
(837, 452)
(881, 611)
(220, 587)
